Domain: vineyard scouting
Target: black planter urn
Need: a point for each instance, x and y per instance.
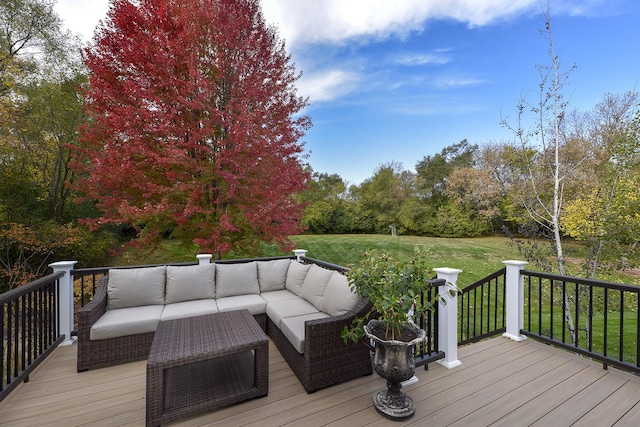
(394, 361)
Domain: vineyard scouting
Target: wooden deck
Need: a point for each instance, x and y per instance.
(500, 383)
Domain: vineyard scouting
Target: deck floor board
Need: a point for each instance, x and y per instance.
(500, 383)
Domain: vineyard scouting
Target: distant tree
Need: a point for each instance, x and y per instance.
(27, 28)
(419, 213)
(478, 195)
(193, 124)
(381, 197)
(324, 186)
(29, 31)
(327, 204)
(605, 214)
(50, 127)
(433, 170)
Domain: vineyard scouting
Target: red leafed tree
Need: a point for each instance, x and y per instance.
(193, 124)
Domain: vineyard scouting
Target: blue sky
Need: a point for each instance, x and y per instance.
(399, 80)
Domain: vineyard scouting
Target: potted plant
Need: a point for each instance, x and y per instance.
(394, 289)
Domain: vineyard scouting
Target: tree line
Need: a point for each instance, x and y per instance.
(470, 190)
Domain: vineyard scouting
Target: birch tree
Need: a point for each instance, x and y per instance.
(546, 166)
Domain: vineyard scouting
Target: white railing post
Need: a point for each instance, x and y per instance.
(204, 258)
(300, 253)
(514, 304)
(448, 318)
(65, 299)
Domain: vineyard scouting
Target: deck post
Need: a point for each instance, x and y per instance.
(300, 253)
(448, 318)
(65, 300)
(514, 304)
(204, 258)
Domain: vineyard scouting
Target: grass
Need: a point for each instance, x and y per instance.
(476, 257)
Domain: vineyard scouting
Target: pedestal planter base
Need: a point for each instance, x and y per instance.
(394, 361)
(393, 403)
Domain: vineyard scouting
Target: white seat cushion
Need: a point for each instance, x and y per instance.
(272, 275)
(293, 328)
(190, 282)
(338, 297)
(287, 308)
(126, 321)
(274, 296)
(254, 303)
(314, 285)
(134, 287)
(198, 307)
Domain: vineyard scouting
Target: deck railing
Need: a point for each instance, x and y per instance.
(30, 329)
(597, 319)
(429, 351)
(481, 308)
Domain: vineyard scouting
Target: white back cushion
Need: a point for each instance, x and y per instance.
(134, 287)
(295, 276)
(236, 279)
(273, 274)
(189, 283)
(314, 285)
(338, 297)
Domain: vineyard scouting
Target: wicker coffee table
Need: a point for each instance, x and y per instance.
(201, 363)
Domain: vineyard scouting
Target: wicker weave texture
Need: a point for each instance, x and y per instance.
(327, 359)
(197, 364)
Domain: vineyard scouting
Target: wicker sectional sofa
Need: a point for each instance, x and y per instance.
(301, 306)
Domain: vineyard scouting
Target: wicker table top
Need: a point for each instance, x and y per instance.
(192, 339)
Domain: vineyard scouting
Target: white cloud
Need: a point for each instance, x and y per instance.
(453, 81)
(415, 59)
(336, 21)
(327, 85)
(430, 105)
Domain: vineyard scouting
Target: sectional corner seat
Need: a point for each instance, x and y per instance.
(301, 306)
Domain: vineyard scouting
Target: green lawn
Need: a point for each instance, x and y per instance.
(476, 257)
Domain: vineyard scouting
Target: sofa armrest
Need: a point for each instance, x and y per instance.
(90, 313)
(323, 335)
